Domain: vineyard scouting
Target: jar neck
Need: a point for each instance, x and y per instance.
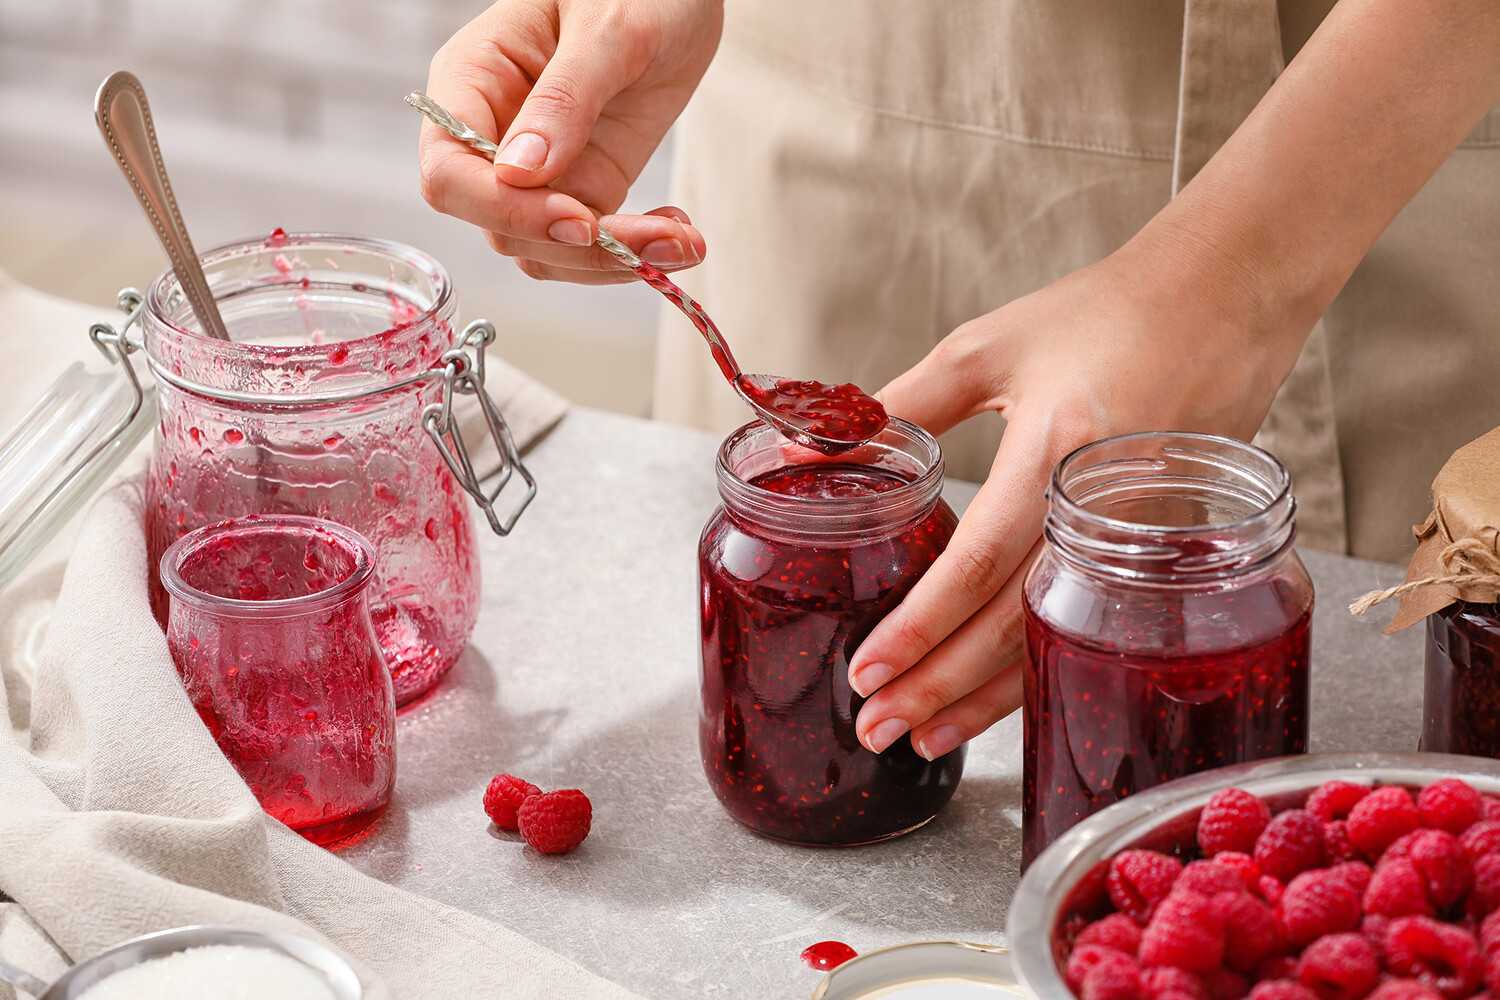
(311, 316)
(903, 451)
(1170, 508)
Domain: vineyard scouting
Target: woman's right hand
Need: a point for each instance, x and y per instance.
(580, 93)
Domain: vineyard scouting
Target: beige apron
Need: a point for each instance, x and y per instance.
(873, 173)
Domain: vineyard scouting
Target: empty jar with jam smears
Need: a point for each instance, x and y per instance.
(270, 630)
(1167, 623)
(806, 554)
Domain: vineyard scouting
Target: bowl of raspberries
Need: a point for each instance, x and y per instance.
(1317, 877)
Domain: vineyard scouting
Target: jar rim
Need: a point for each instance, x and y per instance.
(351, 541)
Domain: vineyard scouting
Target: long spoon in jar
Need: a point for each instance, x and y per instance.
(826, 418)
(124, 119)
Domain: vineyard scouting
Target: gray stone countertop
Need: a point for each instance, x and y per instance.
(583, 672)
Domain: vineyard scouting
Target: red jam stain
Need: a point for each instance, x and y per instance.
(276, 239)
(780, 621)
(694, 312)
(827, 955)
(281, 263)
(1104, 720)
(841, 413)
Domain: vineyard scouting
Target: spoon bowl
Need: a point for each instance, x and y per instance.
(826, 418)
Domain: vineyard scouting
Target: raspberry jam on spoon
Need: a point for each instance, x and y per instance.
(826, 418)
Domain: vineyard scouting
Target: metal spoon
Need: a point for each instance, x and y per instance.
(124, 119)
(794, 412)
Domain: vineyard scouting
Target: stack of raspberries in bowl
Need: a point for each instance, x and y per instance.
(1380, 893)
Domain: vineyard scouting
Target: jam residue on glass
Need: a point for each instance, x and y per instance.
(827, 955)
(1461, 699)
(1142, 703)
(843, 413)
(781, 617)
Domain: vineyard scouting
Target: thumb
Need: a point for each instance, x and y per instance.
(557, 118)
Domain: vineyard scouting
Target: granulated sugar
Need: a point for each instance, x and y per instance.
(215, 972)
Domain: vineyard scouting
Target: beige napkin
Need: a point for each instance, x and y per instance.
(118, 814)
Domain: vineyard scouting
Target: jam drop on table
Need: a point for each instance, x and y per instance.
(827, 955)
(1139, 705)
(1461, 702)
(781, 617)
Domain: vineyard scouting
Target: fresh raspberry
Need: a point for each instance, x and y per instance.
(1231, 821)
(1208, 877)
(1356, 873)
(1166, 980)
(1243, 865)
(1397, 889)
(1440, 859)
(1290, 843)
(1491, 806)
(1441, 955)
(1185, 931)
(1271, 889)
(1400, 847)
(556, 822)
(1081, 960)
(1226, 985)
(1380, 817)
(1340, 966)
(1333, 799)
(1115, 931)
(504, 797)
(1481, 838)
(1491, 971)
(1279, 967)
(1484, 897)
(1403, 989)
(1449, 804)
(1336, 842)
(1318, 903)
(1138, 880)
(1252, 932)
(1489, 934)
(1113, 977)
(1281, 989)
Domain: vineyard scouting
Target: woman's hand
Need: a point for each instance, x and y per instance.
(1129, 344)
(579, 94)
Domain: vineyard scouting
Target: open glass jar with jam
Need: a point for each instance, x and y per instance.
(805, 555)
(335, 398)
(1167, 623)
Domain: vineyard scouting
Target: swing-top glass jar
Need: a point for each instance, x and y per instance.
(1167, 623)
(333, 400)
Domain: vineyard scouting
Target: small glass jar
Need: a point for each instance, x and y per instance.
(1167, 623)
(270, 629)
(343, 354)
(807, 553)
(1461, 697)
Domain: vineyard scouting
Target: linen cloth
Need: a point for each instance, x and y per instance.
(118, 814)
(872, 174)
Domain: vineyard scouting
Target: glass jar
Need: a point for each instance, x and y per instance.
(1167, 623)
(1461, 696)
(344, 363)
(270, 628)
(807, 553)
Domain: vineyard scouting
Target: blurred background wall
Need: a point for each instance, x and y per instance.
(275, 113)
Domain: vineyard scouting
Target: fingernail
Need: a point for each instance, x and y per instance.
(884, 734)
(574, 232)
(940, 741)
(871, 678)
(527, 151)
(664, 253)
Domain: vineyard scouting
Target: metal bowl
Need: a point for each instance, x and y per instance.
(924, 970)
(1068, 878)
(73, 983)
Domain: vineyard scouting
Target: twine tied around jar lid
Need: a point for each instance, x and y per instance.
(1458, 546)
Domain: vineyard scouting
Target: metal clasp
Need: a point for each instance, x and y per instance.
(464, 374)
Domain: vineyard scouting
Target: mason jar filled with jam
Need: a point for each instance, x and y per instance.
(1167, 623)
(803, 558)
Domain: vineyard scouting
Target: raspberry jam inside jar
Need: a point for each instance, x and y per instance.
(804, 557)
(270, 630)
(316, 407)
(1461, 699)
(1167, 624)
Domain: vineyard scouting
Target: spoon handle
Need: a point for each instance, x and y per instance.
(124, 119)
